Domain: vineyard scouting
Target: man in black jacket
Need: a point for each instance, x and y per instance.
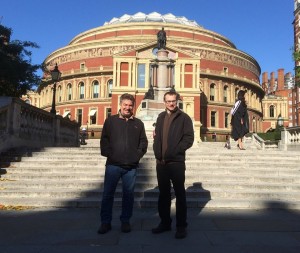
(124, 143)
(174, 134)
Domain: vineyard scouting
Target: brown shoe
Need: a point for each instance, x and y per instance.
(104, 228)
(180, 233)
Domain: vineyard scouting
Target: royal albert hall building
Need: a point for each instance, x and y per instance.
(100, 64)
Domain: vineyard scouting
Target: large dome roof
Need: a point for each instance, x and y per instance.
(152, 17)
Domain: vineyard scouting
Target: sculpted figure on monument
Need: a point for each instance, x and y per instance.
(161, 39)
(150, 93)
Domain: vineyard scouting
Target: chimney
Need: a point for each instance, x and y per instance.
(272, 82)
(265, 82)
(280, 80)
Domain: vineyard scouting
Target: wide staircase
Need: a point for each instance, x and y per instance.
(216, 177)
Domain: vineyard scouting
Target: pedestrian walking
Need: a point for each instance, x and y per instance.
(239, 120)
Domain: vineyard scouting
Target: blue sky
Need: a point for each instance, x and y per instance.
(261, 28)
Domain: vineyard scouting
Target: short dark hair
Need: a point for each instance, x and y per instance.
(127, 96)
(171, 93)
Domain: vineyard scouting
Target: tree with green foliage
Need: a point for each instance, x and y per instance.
(17, 74)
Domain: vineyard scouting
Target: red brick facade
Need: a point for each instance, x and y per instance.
(115, 58)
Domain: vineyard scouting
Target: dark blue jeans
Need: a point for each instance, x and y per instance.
(112, 176)
(175, 173)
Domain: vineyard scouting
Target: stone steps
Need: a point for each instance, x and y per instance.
(215, 178)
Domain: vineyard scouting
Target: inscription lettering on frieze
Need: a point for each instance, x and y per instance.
(224, 57)
(89, 53)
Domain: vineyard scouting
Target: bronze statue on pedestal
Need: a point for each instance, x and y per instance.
(161, 39)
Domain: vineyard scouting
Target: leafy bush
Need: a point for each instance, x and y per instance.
(271, 136)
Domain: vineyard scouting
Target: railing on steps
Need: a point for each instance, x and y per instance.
(24, 125)
(262, 144)
(290, 138)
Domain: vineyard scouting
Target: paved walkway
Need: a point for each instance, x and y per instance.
(75, 230)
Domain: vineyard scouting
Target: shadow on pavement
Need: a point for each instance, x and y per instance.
(210, 230)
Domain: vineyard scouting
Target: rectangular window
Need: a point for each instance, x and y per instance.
(79, 116)
(93, 116)
(212, 119)
(141, 76)
(108, 112)
(82, 67)
(93, 120)
(226, 119)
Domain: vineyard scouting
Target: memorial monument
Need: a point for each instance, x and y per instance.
(162, 80)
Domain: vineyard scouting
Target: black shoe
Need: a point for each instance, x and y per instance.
(161, 228)
(125, 227)
(104, 228)
(180, 233)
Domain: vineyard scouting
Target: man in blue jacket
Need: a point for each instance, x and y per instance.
(123, 142)
(174, 134)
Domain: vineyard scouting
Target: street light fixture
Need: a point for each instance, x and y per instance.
(280, 121)
(55, 75)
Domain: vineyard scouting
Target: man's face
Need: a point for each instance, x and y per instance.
(170, 102)
(126, 107)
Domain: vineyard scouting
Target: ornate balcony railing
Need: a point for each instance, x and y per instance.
(24, 125)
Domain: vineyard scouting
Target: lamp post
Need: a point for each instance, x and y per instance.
(280, 121)
(55, 75)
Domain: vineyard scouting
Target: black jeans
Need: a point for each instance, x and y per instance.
(175, 173)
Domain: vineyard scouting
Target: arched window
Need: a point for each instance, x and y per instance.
(95, 89)
(69, 91)
(272, 111)
(109, 88)
(225, 94)
(59, 93)
(81, 90)
(236, 92)
(212, 92)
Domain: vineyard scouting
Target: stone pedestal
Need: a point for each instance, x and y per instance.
(162, 82)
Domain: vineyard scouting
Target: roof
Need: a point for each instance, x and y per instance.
(152, 17)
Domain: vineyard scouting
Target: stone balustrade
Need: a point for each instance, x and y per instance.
(24, 125)
(290, 138)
